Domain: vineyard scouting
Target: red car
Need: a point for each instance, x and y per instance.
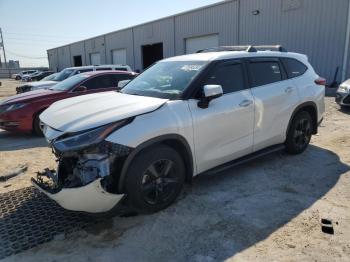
(20, 113)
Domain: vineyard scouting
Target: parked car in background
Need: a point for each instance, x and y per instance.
(183, 116)
(68, 72)
(20, 113)
(343, 94)
(20, 75)
(36, 76)
(49, 77)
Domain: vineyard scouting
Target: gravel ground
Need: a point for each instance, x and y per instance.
(267, 210)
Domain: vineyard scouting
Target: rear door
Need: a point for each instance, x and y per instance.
(275, 98)
(224, 130)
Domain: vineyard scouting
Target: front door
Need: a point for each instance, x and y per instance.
(224, 130)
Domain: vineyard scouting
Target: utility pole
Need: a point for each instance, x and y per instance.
(3, 48)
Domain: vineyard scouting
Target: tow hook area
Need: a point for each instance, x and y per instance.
(82, 182)
(90, 198)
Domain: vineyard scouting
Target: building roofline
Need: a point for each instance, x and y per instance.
(145, 23)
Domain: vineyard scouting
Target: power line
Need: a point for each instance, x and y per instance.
(25, 56)
(32, 40)
(40, 35)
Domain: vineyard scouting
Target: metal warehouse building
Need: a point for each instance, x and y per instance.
(318, 28)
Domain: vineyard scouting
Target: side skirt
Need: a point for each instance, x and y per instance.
(244, 159)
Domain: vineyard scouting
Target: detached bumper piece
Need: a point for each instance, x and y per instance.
(91, 198)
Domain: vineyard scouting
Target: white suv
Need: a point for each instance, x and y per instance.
(183, 116)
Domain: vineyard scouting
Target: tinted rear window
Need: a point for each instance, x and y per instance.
(263, 73)
(103, 68)
(293, 67)
(120, 69)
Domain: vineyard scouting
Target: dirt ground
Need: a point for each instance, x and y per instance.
(267, 210)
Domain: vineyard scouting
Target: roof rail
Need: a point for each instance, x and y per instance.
(246, 48)
(277, 48)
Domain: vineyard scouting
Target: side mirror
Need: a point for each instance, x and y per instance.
(80, 89)
(123, 83)
(210, 92)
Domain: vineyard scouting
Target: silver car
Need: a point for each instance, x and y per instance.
(343, 94)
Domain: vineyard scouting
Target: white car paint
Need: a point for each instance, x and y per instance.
(95, 110)
(40, 84)
(233, 125)
(91, 198)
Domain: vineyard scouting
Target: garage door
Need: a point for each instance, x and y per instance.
(95, 58)
(119, 57)
(194, 44)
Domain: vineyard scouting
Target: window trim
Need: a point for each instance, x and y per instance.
(201, 81)
(261, 60)
(286, 68)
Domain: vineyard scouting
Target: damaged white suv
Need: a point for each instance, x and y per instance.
(183, 116)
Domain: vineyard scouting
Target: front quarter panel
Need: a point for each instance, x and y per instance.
(172, 118)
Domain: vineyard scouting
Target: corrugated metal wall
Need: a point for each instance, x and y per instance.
(161, 31)
(221, 19)
(64, 57)
(95, 45)
(119, 40)
(77, 49)
(314, 27)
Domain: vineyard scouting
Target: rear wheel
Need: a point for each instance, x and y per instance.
(299, 134)
(155, 179)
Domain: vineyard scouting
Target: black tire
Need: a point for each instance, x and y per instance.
(155, 179)
(36, 125)
(18, 78)
(299, 133)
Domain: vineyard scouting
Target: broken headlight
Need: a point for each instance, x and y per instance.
(87, 138)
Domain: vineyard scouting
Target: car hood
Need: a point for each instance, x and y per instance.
(41, 84)
(94, 110)
(25, 97)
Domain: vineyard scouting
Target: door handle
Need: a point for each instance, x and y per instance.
(289, 89)
(245, 103)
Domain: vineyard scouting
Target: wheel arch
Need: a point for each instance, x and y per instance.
(36, 114)
(309, 107)
(175, 141)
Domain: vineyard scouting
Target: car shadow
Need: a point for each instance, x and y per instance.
(345, 110)
(216, 217)
(252, 201)
(331, 91)
(12, 142)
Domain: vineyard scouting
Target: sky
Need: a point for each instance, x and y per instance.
(31, 27)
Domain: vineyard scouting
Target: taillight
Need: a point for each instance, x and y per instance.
(320, 81)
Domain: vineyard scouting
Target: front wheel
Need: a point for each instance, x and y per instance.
(36, 125)
(155, 179)
(299, 134)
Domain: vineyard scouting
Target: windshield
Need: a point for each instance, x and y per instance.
(166, 79)
(69, 82)
(50, 77)
(64, 74)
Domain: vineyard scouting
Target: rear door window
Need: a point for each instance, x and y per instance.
(264, 73)
(83, 71)
(294, 68)
(103, 68)
(229, 76)
(99, 82)
(120, 69)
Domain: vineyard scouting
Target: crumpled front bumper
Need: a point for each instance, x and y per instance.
(91, 198)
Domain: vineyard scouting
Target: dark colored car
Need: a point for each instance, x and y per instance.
(40, 75)
(20, 113)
